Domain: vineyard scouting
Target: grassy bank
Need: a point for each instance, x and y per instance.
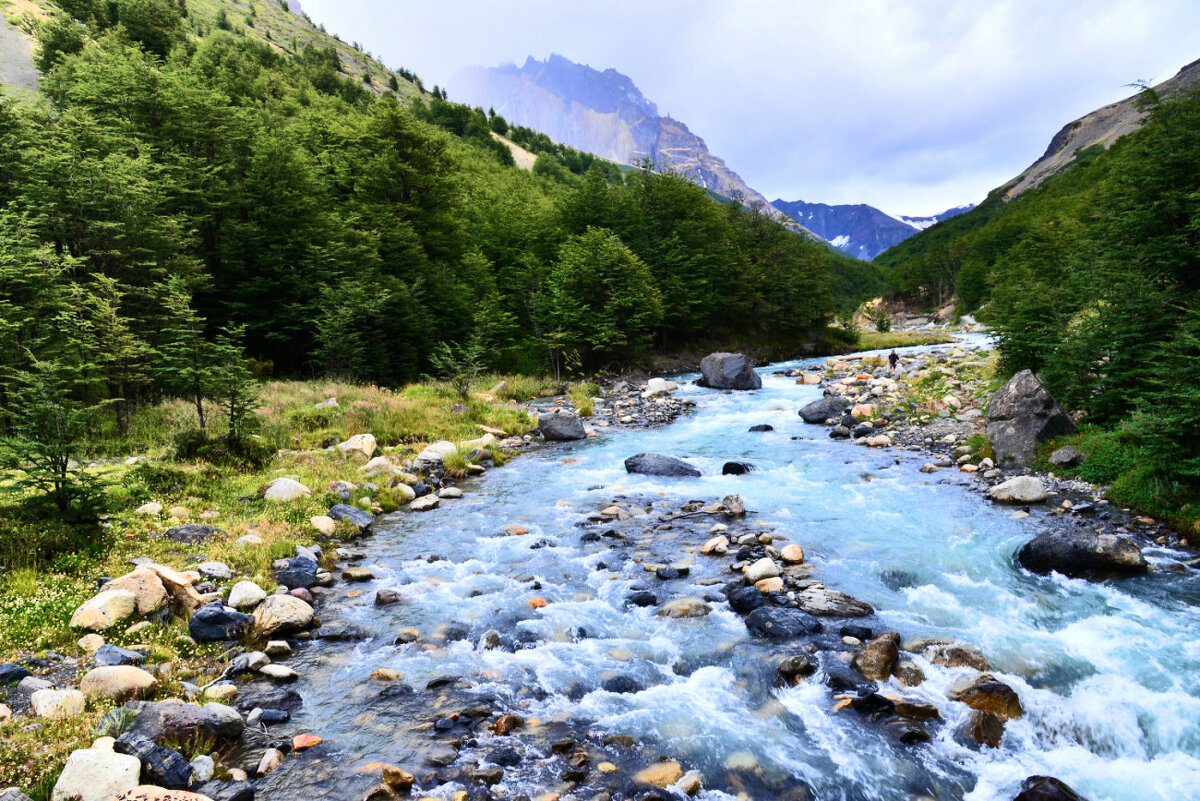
(49, 568)
(874, 340)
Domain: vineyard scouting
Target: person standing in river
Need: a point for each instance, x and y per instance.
(893, 360)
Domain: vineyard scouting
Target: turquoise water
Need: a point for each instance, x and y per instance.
(1107, 672)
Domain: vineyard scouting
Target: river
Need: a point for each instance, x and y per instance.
(1108, 673)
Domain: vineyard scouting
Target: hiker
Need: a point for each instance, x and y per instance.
(893, 360)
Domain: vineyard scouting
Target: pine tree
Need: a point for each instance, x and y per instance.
(186, 362)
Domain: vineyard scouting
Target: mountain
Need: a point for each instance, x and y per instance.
(603, 113)
(860, 230)
(1101, 127)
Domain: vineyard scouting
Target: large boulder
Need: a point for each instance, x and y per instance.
(282, 614)
(825, 602)
(149, 593)
(216, 622)
(116, 683)
(828, 407)
(986, 693)
(57, 703)
(192, 533)
(105, 610)
(96, 774)
(177, 721)
(108, 655)
(879, 658)
(161, 765)
(359, 444)
(246, 595)
(285, 489)
(1046, 788)
(434, 455)
(560, 426)
(1021, 489)
(728, 371)
(1082, 554)
(301, 572)
(1021, 414)
(184, 598)
(655, 464)
(351, 514)
(777, 623)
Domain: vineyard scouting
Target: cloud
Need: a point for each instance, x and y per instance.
(913, 107)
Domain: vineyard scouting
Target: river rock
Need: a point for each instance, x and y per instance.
(105, 610)
(363, 444)
(1046, 788)
(745, 600)
(761, 428)
(728, 371)
(425, 503)
(718, 545)
(272, 758)
(1067, 457)
(191, 533)
(301, 571)
(149, 593)
(792, 554)
(116, 683)
(285, 489)
(987, 694)
(352, 515)
(108, 655)
(560, 426)
(825, 602)
(661, 774)
(684, 607)
(655, 464)
(825, 408)
(984, 728)
(178, 721)
(762, 569)
(57, 703)
(12, 674)
(246, 595)
(94, 774)
(1021, 489)
(184, 598)
(956, 655)
(1021, 414)
(877, 660)
(776, 623)
(215, 622)
(1081, 553)
(160, 764)
(215, 570)
(282, 614)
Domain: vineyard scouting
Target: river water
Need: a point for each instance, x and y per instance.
(1108, 673)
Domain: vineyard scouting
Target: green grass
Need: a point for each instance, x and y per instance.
(582, 395)
(874, 340)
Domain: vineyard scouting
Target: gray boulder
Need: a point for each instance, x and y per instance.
(1046, 788)
(160, 765)
(351, 514)
(192, 533)
(1067, 457)
(655, 464)
(1021, 414)
(177, 721)
(560, 426)
(728, 371)
(824, 409)
(777, 623)
(215, 622)
(1082, 554)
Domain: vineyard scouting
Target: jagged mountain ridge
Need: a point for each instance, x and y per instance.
(1101, 127)
(603, 113)
(860, 230)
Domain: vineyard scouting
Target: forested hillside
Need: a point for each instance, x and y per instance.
(197, 175)
(1093, 280)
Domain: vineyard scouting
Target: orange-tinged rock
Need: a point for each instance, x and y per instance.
(513, 530)
(662, 774)
(537, 603)
(507, 724)
(303, 741)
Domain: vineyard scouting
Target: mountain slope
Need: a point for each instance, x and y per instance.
(600, 112)
(1101, 127)
(859, 230)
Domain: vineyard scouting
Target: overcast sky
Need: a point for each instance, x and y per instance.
(913, 107)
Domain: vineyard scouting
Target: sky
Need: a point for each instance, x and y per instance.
(912, 106)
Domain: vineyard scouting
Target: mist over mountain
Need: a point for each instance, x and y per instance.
(602, 112)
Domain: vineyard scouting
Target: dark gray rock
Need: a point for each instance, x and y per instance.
(776, 623)
(268, 698)
(761, 427)
(351, 514)
(180, 722)
(112, 655)
(301, 572)
(160, 765)
(737, 468)
(906, 732)
(560, 426)
(824, 409)
(1021, 414)
(192, 533)
(226, 791)
(1046, 788)
(1082, 554)
(215, 622)
(13, 794)
(797, 665)
(655, 464)
(728, 371)
(622, 684)
(745, 600)
(1067, 457)
(12, 674)
(642, 598)
(839, 432)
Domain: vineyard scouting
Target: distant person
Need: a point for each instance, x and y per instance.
(893, 360)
